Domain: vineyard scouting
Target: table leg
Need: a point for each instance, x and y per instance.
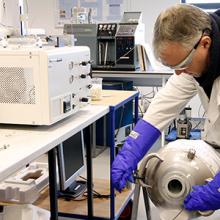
(147, 203)
(112, 157)
(89, 171)
(136, 109)
(135, 206)
(53, 184)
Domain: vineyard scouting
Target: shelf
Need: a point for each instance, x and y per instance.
(114, 97)
(101, 206)
(139, 78)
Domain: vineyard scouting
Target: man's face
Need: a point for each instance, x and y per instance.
(191, 61)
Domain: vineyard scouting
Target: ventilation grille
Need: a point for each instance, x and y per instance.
(16, 85)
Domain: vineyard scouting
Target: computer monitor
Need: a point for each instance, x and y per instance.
(71, 163)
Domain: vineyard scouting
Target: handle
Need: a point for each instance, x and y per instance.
(143, 165)
(206, 213)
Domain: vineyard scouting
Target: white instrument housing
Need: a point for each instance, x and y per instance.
(40, 86)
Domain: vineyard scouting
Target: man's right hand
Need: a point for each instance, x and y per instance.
(205, 197)
(134, 149)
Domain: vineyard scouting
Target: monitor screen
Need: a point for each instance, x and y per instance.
(71, 160)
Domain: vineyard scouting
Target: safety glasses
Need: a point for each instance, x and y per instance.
(188, 59)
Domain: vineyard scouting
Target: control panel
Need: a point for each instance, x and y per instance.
(108, 29)
(126, 30)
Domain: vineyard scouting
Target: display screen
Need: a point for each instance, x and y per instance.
(71, 159)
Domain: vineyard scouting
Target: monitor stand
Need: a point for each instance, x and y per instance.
(76, 189)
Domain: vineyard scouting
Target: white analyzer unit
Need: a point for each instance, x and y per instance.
(40, 86)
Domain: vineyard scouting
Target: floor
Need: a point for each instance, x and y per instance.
(101, 170)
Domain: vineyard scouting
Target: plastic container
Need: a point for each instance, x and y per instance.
(96, 90)
(24, 212)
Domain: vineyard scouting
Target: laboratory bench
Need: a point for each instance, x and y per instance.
(115, 99)
(78, 208)
(149, 78)
(139, 78)
(23, 144)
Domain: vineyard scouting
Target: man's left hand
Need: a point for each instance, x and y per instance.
(205, 197)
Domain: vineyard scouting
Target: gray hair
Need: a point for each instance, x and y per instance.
(180, 23)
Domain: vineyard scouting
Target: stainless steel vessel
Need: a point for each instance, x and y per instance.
(170, 174)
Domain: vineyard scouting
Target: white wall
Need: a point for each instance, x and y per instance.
(9, 10)
(150, 10)
(42, 14)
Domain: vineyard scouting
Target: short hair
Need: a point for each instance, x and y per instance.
(180, 23)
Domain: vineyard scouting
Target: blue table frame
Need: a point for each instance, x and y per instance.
(52, 172)
(112, 146)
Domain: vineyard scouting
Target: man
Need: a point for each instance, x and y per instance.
(187, 40)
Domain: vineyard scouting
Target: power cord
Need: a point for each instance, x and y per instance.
(95, 193)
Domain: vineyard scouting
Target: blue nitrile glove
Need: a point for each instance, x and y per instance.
(205, 197)
(134, 149)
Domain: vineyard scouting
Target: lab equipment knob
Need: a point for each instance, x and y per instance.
(191, 154)
(84, 99)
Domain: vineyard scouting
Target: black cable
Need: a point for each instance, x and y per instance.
(83, 178)
(174, 124)
(84, 196)
(98, 196)
(95, 193)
